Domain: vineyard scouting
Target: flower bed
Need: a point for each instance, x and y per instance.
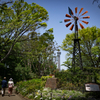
(47, 94)
(34, 90)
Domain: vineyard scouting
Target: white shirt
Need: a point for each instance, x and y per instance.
(11, 82)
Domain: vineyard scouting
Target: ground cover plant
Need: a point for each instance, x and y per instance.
(58, 94)
(34, 89)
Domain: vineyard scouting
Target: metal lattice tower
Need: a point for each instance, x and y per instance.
(77, 60)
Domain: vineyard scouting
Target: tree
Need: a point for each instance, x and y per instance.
(22, 18)
(12, 61)
(37, 51)
(4, 3)
(90, 46)
(30, 53)
(90, 52)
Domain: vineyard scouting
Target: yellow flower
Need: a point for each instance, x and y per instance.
(37, 93)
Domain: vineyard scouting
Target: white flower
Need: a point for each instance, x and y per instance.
(49, 97)
(30, 95)
(38, 90)
(35, 96)
(24, 90)
(41, 98)
(46, 89)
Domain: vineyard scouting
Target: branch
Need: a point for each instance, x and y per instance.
(6, 3)
(15, 40)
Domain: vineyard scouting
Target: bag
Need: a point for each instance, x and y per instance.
(10, 86)
(2, 91)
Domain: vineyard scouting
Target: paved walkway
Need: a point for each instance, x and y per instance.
(12, 97)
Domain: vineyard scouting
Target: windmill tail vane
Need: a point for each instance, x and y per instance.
(76, 17)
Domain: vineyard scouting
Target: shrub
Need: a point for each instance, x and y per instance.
(44, 78)
(33, 88)
(95, 94)
(29, 86)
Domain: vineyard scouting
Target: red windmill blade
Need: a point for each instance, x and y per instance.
(76, 10)
(68, 15)
(80, 10)
(76, 18)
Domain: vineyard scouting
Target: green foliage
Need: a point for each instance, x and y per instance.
(89, 44)
(43, 24)
(50, 30)
(95, 94)
(21, 18)
(29, 86)
(44, 78)
(58, 94)
(38, 52)
(24, 72)
(67, 81)
(34, 86)
(90, 53)
(30, 54)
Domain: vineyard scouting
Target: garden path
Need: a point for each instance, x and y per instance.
(14, 96)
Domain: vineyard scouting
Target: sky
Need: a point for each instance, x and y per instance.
(57, 9)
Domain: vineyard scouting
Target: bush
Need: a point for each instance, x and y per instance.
(44, 78)
(66, 78)
(29, 86)
(95, 94)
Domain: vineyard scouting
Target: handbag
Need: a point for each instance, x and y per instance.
(2, 91)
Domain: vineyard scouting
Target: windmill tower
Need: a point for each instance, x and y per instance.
(77, 60)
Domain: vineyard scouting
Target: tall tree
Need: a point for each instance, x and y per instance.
(21, 18)
(37, 50)
(90, 46)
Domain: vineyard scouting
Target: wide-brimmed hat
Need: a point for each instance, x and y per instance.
(10, 79)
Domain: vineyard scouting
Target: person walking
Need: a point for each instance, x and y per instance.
(4, 86)
(10, 86)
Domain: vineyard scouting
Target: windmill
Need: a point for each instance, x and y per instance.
(77, 60)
